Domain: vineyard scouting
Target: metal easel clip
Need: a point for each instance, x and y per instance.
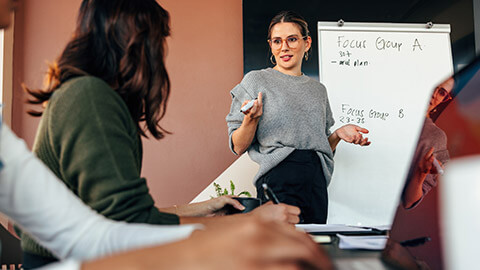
(340, 22)
(429, 25)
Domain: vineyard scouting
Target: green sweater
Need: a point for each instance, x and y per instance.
(88, 139)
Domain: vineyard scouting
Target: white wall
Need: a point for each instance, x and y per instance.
(241, 172)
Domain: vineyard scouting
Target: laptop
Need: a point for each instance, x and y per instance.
(453, 128)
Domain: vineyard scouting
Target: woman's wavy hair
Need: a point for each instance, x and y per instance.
(123, 43)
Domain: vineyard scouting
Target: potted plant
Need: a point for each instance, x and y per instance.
(249, 202)
(220, 192)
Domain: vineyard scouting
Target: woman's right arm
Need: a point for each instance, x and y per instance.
(244, 135)
(242, 127)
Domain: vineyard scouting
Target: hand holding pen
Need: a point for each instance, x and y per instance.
(269, 194)
(253, 108)
(430, 164)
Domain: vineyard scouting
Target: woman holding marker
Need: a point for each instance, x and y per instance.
(287, 130)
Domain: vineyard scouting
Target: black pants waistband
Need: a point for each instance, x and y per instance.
(301, 155)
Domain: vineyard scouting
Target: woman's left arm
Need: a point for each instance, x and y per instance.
(349, 133)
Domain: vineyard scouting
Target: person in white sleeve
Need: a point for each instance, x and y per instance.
(31, 195)
(40, 204)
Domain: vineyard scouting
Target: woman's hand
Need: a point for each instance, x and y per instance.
(349, 133)
(277, 212)
(257, 110)
(244, 135)
(254, 243)
(426, 163)
(214, 206)
(353, 134)
(414, 189)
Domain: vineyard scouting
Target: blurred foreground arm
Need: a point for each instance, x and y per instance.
(39, 203)
(252, 244)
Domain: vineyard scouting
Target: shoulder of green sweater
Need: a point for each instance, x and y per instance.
(86, 96)
(86, 89)
(85, 104)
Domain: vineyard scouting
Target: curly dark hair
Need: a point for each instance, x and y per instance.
(123, 43)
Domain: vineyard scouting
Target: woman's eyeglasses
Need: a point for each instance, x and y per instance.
(292, 42)
(443, 94)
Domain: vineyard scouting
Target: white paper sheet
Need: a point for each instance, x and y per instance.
(371, 242)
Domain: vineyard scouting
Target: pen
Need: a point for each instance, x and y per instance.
(269, 194)
(415, 242)
(248, 105)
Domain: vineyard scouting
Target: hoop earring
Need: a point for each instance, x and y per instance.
(272, 60)
(306, 56)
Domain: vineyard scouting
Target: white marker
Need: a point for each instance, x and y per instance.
(437, 166)
(247, 106)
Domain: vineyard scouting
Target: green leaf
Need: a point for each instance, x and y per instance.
(218, 189)
(225, 192)
(232, 187)
(246, 193)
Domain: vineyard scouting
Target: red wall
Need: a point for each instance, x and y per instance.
(205, 61)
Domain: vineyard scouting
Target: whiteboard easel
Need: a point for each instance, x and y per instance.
(379, 76)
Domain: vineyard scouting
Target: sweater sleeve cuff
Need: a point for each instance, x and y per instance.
(163, 218)
(230, 143)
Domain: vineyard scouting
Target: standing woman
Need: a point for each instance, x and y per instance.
(287, 131)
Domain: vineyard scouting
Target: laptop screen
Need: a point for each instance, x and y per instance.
(451, 130)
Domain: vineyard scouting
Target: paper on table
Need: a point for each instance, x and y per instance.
(310, 228)
(373, 242)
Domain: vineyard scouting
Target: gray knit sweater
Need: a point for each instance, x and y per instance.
(296, 115)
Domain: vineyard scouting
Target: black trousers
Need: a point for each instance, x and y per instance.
(299, 180)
